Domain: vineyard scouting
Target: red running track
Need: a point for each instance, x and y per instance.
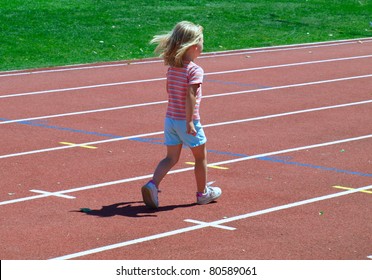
(289, 139)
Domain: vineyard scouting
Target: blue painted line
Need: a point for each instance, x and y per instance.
(159, 141)
(154, 141)
(285, 160)
(71, 130)
(324, 168)
(226, 153)
(236, 83)
(44, 125)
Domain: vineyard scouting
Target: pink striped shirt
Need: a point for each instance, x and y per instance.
(178, 80)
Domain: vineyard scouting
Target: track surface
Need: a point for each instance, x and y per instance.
(284, 125)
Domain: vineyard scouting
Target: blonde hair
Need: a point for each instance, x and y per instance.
(173, 45)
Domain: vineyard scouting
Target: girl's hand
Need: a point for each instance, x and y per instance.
(191, 128)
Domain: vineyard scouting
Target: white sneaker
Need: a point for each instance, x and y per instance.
(210, 194)
(150, 195)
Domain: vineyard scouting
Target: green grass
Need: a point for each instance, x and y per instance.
(43, 33)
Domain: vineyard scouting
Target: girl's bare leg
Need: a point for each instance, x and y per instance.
(173, 155)
(200, 155)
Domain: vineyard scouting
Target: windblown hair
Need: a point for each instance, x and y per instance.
(173, 45)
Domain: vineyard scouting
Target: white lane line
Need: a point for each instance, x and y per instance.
(86, 112)
(289, 65)
(288, 47)
(130, 242)
(105, 184)
(143, 177)
(291, 113)
(204, 225)
(204, 55)
(82, 87)
(205, 126)
(84, 144)
(161, 79)
(204, 97)
(292, 85)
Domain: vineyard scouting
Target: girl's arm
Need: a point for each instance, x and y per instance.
(190, 106)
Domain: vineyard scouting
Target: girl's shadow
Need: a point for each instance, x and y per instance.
(135, 209)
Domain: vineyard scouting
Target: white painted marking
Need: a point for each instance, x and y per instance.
(100, 185)
(86, 112)
(292, 85)
(88, 143)
(161, 79)
(205, 126)
(143, 177)
(205, 55)
(200, 226)
(294, 204)
(81, 88)
(209, 224)
(288, 47)
(295, 149)
(290, 113)
(288, 65)
(53, 194)
(204, 97)
(130, 242)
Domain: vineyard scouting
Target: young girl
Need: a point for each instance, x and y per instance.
(179, 49)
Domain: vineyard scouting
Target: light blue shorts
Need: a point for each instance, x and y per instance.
(175, 133)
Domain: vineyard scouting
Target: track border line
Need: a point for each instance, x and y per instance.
(204, 55)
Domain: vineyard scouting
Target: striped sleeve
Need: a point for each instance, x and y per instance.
(195, 74)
